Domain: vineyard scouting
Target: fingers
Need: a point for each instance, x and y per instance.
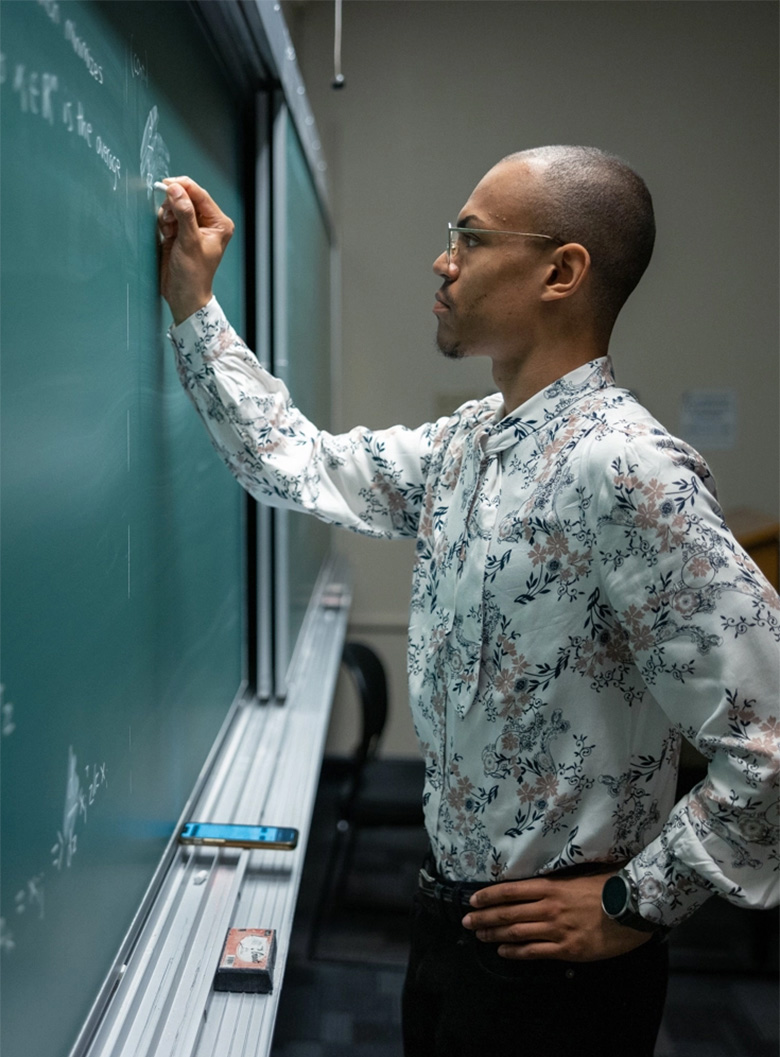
(519, 940)
(530, 918)
(520, 932)
(514, 922)
(166, 223)
(503, 916)
(510, 892)
(531, 951)
(190, 214)
(512, 901)
(194, 206)
(180, 209)
(205, 205)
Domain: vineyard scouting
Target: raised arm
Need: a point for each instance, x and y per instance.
(371, 482)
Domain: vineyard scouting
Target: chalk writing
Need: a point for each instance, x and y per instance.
(83, 127)
(66, 844)
(64, 849)
(52, 9)
(6, 937)
(77, 800)
(155, 159)
(139, 67)
(96, 781)
(83, 52)
(79, 796)
(110, 160)
(7, 724)
(30, 896)
(35, 91)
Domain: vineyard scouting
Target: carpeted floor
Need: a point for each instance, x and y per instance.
(341, 993)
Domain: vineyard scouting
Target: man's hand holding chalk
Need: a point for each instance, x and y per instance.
(194, 234)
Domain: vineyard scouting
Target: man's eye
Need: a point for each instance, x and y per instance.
(468, 239)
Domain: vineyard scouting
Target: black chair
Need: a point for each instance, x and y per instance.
(375, 792)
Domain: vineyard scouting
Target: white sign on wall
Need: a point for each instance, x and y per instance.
(708, 418)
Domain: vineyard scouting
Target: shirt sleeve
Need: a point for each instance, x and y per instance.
(702, 624)
(368, 481)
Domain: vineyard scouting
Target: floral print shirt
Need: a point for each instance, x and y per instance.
(578, 607)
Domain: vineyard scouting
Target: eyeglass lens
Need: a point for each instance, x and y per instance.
(453, 243)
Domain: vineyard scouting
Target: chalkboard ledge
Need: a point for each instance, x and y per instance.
(267, 772)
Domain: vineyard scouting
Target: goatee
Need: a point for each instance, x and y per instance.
(451, 351)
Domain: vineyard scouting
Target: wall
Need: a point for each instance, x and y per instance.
(436, 92)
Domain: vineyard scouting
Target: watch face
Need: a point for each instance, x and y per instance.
(614, 896)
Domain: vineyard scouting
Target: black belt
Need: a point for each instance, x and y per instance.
(455, 892)
(451, 898)
(448, 900)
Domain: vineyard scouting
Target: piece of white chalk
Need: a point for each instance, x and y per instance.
(160, 186)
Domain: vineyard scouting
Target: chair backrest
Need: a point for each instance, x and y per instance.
(368, 673)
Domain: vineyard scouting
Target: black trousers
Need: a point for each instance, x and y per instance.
(461, 999)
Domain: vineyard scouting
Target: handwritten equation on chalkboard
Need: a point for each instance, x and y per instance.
(80, 793)
(43, 94)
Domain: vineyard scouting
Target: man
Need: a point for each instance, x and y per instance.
(578, 605)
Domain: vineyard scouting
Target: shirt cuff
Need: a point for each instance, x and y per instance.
(200, 332)
(210, 354)
(665, 896)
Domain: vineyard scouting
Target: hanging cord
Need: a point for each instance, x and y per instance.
(338, 76)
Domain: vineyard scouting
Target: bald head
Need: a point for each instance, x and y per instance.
(588, 196)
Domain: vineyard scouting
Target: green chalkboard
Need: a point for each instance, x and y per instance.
(303, 360)
(122, 554)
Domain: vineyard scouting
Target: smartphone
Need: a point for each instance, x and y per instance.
(226, 835)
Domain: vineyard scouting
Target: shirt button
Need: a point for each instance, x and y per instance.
(569, 974)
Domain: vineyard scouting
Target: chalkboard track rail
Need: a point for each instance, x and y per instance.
(164, 1004)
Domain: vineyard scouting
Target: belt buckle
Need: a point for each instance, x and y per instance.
(427, 884)
(433, 888)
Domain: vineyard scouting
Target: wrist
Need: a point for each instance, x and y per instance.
(620, 903)
(182, 310)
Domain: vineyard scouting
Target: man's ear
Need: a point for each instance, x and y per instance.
(567, 270)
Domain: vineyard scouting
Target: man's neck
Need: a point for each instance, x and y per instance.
(518, 381)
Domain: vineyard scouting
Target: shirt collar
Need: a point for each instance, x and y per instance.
(548, 403)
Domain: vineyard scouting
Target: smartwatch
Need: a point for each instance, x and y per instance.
(620, 903)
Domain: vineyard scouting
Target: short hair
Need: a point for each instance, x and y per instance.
(596, 199)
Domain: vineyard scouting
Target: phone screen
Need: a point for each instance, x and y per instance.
(238, 836)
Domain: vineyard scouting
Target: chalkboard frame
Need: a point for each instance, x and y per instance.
(302, 358)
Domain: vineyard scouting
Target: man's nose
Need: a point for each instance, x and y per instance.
(444, 267)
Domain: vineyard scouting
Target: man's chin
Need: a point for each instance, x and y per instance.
(451, 350)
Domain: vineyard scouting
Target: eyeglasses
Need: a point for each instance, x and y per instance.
(459, 239)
